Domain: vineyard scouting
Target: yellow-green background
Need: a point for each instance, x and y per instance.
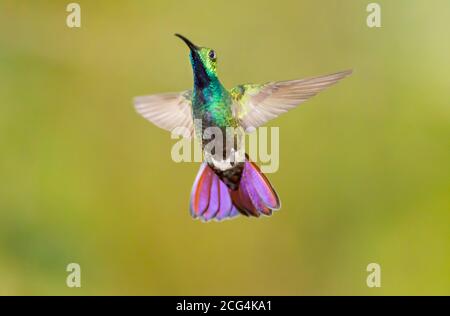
(364, 173)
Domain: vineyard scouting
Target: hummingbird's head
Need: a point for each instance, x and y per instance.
(203, 61)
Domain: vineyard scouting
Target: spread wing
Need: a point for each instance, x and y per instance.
(169, 111)
(255, 104)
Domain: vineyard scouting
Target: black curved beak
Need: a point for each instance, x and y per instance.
(191, 46)
(201, 78)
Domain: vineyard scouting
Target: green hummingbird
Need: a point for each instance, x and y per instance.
(227, 184)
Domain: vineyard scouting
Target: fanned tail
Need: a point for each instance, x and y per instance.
(255, 195)
(212, 199)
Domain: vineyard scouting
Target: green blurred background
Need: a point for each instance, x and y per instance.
(364, 173)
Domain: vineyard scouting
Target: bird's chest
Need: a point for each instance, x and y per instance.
(217, 115)
(223, 148)
(212, 110)
(213, 128)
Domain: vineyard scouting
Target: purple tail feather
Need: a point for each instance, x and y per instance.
(212, 199)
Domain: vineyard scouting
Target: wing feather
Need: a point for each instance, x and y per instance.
(169, 111)
(255, 104)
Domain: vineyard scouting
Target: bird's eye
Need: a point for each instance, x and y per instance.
(212, 54)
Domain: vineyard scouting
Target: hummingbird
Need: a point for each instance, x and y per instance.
(228, 184)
